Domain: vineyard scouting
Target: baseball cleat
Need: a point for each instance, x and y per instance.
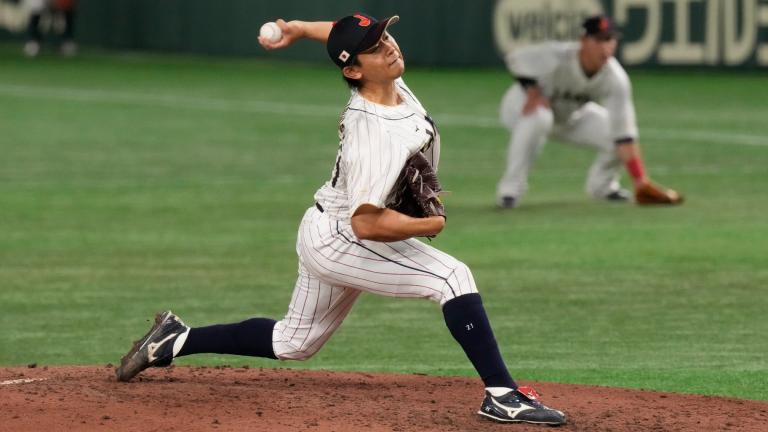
(156, 348)
(507, 202)
(32, 49)
(618, 196)
(68, 49)
(650, 194)
(520, 406)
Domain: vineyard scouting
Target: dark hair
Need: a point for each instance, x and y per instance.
(353, 83)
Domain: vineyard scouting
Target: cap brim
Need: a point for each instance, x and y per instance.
(374, 36)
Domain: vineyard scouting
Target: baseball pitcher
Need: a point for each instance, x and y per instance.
(358, 236)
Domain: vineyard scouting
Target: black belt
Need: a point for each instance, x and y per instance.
(319, 207)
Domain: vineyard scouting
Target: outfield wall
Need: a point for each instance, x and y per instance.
(719, 33)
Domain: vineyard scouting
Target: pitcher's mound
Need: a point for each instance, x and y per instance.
(241, 399)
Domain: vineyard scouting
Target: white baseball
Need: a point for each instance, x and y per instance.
(271, 32)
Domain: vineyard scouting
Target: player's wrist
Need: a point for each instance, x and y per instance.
(437, 223)
(300, 28)
(314, 30)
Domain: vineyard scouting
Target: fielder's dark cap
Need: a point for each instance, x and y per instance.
(354, 34)
(600, 27)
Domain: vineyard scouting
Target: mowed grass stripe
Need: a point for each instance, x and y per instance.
(298, 109)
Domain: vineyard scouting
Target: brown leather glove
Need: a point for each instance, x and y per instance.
(418, 190)
(653, 194)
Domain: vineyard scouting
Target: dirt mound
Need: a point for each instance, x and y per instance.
(243, 399)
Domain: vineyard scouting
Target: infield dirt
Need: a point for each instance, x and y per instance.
(242, 399)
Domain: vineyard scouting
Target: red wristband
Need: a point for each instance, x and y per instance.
(636, 169)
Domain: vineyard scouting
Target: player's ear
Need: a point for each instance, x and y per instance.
(352, 72)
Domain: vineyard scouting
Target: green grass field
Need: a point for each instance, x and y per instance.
(131, 183)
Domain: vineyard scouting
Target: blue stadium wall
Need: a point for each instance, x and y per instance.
(711, 33)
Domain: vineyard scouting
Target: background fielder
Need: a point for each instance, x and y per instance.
(579, 93)
(349, 242)
(63, 9)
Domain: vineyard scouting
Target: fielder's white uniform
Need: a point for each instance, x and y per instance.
(334, 265)
(592, 111)
(36, 6)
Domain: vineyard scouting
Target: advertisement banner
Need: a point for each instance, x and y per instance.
(701, 33)
(723, 33)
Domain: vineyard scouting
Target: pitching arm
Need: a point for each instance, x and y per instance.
(295, 30)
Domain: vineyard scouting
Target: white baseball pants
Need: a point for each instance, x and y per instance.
(588, 127)
(335, 267)
(35, 6)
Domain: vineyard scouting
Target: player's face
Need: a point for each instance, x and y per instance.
(598, 51)
(383, 61)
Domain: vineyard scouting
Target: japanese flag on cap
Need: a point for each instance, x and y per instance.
(354, 34)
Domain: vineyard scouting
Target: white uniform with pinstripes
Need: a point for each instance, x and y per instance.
(335, 267)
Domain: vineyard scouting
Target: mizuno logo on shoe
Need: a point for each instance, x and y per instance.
(152, 347)
(512, 412)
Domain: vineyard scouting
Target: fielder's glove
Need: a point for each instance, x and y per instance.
(651, 193)
(417, 191)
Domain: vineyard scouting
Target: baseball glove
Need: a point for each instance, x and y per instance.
(417, 191)
(653, 194)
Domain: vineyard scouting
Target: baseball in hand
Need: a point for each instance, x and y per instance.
(271, 32)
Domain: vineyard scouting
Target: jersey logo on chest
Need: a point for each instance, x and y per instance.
(568, 96)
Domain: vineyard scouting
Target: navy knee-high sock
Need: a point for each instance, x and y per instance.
(69, 25)
(468, 323)
(33, 28)
(252, 337)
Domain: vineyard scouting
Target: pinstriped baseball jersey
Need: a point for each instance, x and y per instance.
(374, 143)
(556, 68)
(335, 267)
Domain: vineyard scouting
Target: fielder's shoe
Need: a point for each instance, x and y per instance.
(507, 202)
(650, 194)
(32, 48)
(156, 348)
(68, 49)
(520, 406)
(618, 196)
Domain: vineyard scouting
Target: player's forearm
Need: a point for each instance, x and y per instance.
(386, 225)
(534, 98)
(628, 150)
(315, 30)
(295, 30)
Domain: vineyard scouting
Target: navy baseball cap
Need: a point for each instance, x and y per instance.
(600, 27)
(354, 34)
